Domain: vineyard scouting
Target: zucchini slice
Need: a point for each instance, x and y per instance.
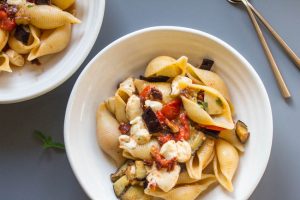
(121, 185)
(120, 172)
(141, 172)
(241, 131)
(196, 140)
(135, 193)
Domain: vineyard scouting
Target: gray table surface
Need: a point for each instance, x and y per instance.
(29, 172)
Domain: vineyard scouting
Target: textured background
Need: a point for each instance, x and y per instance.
(28, 172)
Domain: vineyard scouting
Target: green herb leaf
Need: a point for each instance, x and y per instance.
(219, 102)
(47, 141)
(30, 6)
(203, 104)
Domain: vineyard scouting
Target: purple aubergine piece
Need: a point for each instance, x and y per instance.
(151, 121)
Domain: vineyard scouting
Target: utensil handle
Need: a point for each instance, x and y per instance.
(281, 83)
(288, 50)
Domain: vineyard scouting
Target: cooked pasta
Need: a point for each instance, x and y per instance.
(171, 124)
(33, 29)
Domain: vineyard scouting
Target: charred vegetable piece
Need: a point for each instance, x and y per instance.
(155, 94)
(196, 140)
(22, 33)
(207, 64)
(135, 193)
(155, 78)
(130, 172)
(124, 128)
(241, 131)
(212, 133)
(141, 172)
(121, 185)
(43, 2)
(151, 121)
(120, 172)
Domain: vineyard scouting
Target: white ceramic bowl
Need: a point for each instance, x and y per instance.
(129, 56)
(32, 81)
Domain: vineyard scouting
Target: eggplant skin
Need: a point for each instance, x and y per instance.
(207, 64)
(155, 79)
(135, 193)
(120, 172)
(241, 130)
(151, 121)
(121, 185)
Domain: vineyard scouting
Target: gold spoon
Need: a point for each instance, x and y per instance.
(288, 50)
(280, 81)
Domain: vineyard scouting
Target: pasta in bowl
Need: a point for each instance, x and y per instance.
(164, 130)
(38, 43)
(124, 61)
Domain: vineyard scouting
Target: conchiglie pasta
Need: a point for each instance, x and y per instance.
(225, 163)
(47, 17)
(142, 152)
(186, 192)
(202, 158)
(15, 58)
(4, 35)
(164, 88)
(52, 41)
(108, 134)
(166, 66)
(63, 4)
(4, 63)
(200, 115)
(22, 48)
(231, 137)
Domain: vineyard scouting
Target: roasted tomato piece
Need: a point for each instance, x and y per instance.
(161, 162)
(172, 109)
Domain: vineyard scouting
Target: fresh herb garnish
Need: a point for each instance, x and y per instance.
(47, 141)
(219, 102)
(203, 104)
(30, 6)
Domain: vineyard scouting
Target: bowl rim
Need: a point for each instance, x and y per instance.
(83, 56)
(175, 29)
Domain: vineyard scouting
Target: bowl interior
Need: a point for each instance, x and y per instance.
(129, 56)
(32, 80)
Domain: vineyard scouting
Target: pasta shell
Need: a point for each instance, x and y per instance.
(52, 41)
(110, 104)
(230, 136)
(142, 152)
(186, 192)
(201, 116)
(63, 4)
(15, 58)
(225, 163)
(33, 42)
(166, 66)
(203, 157)
(165, 88)
(46, 17)
(4, 63)
(4, 35)
(108, 134)
(133, 107)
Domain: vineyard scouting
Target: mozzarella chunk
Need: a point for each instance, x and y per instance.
(169, 150)
(133, 107)
(184, 151)
(155, 105)
(179, 83)
(139, 131)
(127, 142)
(180, 150)
(163, 179)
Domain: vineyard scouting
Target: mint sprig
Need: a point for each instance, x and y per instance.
(47, 141)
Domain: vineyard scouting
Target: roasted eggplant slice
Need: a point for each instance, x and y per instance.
(196, 140)
(120, 172)
(207, 64)
(130, 172)
(155, 78)
(135, 193)
(151, 121)
(121, 185)
(141, 172)
(241, 131)
(22, 34)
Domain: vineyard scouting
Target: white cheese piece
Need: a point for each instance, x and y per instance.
(126, 142)
(184, 151)
(16, 2)
(169, 150)
(179, 83)
(163, 179)
(155, 105)
(133, 107)
(139, 131)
